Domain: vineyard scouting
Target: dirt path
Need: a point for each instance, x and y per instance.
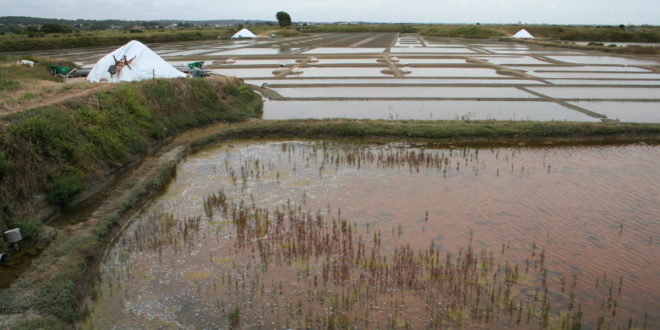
(45, 93)
(128, 188)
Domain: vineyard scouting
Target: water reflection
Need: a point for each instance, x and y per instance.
(319, 234)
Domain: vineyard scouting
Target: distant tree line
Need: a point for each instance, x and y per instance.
(36, 26)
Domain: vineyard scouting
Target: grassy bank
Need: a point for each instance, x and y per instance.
(630, 49)
(13, 77)
(589, 33)
(552, 32)
(58, 151)
(451, 132)
(361, 28)
(106, 38)
(56, 294)
(461, 31)
(55, 151)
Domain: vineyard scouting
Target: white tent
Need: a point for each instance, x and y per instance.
(244, 34)
(523, 34)
(132, 62)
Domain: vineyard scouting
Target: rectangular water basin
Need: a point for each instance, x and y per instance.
(251, 51)
(188, 52)
(432, 61)
(430, 50)
(246, 73)
(403, 92)
(394, 81)
(422, 110)
(185, 63)
(598, 92)
(602, 60)
(535, 52)
(347, 60)
(603, 75)
(452, 72)
(512, 60)
(602, 82)
(261, 62)
(434, 44)
(581, 68)
(638, 112)
(344, 50)
(342, 72)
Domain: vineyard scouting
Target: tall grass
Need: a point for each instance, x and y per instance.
(106, 38)
(402, 28)
(58, 149)
(476, 32)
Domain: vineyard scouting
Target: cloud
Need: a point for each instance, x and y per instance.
(426, 11)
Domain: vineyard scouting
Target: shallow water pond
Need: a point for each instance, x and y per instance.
(422, 110)
(305, 234)
(599, 92)
(637, 112)
(602, 60)
(291, 80)
(403, 91)
(344, 50)
(430, 50)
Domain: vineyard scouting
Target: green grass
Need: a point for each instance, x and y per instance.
(13, 76)
(77, 257)
(57, 149)
(490, 132)
(361, 28)
(68, 144)
(590, 33)
(107, 38)
(464, 31)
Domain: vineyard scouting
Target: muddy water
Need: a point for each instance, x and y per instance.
(573, 220)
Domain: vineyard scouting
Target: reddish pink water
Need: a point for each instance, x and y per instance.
(593, 209)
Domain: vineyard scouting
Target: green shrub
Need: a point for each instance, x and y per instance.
(7, 85)
(234, 318)
(30, 228)
(49, 323)
(58, 299)
(465, 31)
(6, 165)
(65, 189)
(231, 89)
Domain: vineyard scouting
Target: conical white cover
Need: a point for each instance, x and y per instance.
(523, 34)
(145, 65)
(244, 33)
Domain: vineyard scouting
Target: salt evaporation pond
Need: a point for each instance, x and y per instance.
(306, 234)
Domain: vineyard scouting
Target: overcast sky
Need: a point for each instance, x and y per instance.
(422, 11)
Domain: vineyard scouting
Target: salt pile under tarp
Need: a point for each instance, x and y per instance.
(523, 34)
(132, 62)
(244, 34)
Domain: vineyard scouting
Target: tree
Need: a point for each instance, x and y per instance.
(55, 28)
(283, 18)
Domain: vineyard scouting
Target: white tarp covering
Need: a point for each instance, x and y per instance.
(244, 33)
(143, 62)
(523, 34)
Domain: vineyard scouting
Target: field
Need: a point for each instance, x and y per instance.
(412, 77)
(385, 179)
